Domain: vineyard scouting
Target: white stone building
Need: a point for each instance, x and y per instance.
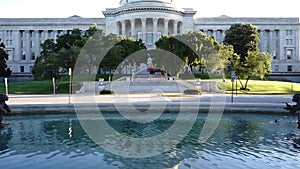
(148, 20)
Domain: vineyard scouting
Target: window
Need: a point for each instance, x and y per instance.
(22, 34)
(32, 34)
(139, 36)
(42, 34)
(289, 53)
(23, 44)
(9, 33)
(275, 55)
(289, 33)
(276, 68)
(32, 44)
(22, 69)
(149, 38)
(24, 55)
(289, 41)
(32, 56)
(289, 68)
(10, 54)
(159, 35)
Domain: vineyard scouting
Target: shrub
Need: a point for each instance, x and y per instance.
(106, 92)
(192, 92)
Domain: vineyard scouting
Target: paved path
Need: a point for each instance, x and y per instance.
(63, 103)
(61, 99)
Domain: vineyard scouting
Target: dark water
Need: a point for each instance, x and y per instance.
(240, 141)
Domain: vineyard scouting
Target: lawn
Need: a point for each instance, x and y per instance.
(37, 87)
(265, 87)
(45, 87)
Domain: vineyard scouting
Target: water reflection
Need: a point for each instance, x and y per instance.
(5, 136)
(239, 141)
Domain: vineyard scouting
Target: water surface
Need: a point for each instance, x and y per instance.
(240, 141)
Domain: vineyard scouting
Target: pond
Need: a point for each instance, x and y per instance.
(239, 141)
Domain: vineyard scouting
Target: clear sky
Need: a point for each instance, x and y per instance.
(94, 8)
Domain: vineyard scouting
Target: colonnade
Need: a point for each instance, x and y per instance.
(148, 29)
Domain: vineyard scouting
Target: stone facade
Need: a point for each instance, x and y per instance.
(148, 20)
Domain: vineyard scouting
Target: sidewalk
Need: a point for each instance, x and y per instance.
(64, 103)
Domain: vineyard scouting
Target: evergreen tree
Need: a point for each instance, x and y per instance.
(4, 71)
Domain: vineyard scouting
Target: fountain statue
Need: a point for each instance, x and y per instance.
(294, 108)
(4, 109)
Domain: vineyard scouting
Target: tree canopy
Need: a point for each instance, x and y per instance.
(193, 48)
(250, 61)
(4, 70)
(96, 51)
(58, 56)
(243, 37)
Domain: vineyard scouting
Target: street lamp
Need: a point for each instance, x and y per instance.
(6, 86)
(70, 84)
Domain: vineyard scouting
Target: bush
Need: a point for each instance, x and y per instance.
(106, 92)
(192, 92)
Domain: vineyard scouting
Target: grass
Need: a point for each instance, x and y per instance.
(265, 87)
(37, 87)
(45, 87)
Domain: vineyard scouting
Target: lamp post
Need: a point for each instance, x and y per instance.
(232, 84)
(70, 84)
(6, 86)
(53, 84)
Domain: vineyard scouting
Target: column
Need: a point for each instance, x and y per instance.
(271, 42)
(166, 26)
(28, 44)
(175, 27)
(18, 52)
(55, 32)
(214, 33)
(46, 34)
(261, 38)
(37, 43)
(123, 28)
(144, 31)
(155, 20)
(132, 22)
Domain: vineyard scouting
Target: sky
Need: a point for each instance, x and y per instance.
(94, 8)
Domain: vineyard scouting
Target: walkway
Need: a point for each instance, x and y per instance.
(60, 103)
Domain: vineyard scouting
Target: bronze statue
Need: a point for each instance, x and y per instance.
(294, 108)
(4, 109)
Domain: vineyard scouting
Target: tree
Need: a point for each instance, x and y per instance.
(244, 38)
(4, 71)
(57, 57)
(116, 57)
(193, 48)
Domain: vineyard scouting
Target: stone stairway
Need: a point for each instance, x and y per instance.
(154, 85)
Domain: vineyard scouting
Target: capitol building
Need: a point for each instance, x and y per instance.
(148, 20)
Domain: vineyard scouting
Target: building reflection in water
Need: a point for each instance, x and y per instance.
(62, 136)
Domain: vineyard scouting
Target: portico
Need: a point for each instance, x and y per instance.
(142, 19)
(148, 29)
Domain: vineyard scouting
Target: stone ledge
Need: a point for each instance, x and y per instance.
(265, 108)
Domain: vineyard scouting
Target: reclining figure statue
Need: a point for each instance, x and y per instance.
(294, 108)
(4, 109)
